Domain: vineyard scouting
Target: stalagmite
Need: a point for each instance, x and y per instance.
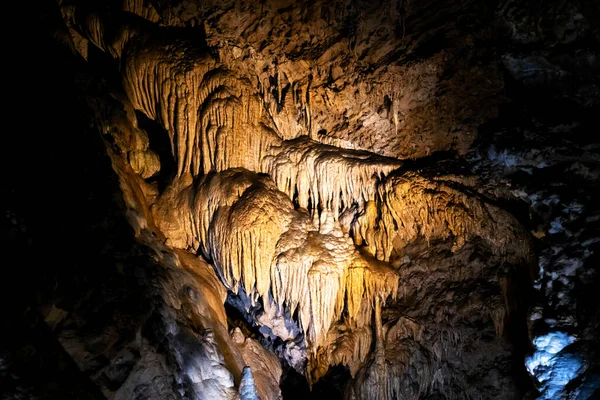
(247, 388)
(380, 353)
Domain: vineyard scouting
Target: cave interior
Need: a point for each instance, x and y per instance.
(273, 199)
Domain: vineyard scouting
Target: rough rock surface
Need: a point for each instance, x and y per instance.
(262, 199)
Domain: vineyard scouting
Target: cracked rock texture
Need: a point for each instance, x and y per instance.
(279, 199)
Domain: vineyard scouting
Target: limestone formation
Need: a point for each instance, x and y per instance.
(306, 188)
(301, 229)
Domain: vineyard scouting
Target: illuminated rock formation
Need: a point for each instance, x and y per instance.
(301, 231)
(282, 166)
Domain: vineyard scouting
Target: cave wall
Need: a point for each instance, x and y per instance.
(394, 200)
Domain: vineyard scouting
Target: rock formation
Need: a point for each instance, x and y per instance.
(346, 199)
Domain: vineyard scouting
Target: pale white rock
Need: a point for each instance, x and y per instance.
(247, 386)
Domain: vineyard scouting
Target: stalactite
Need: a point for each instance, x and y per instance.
(260, 245)
(264, 248)
(295, 217)
(413, 206)
(326, 177)
(141, 8)
(214, 119)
